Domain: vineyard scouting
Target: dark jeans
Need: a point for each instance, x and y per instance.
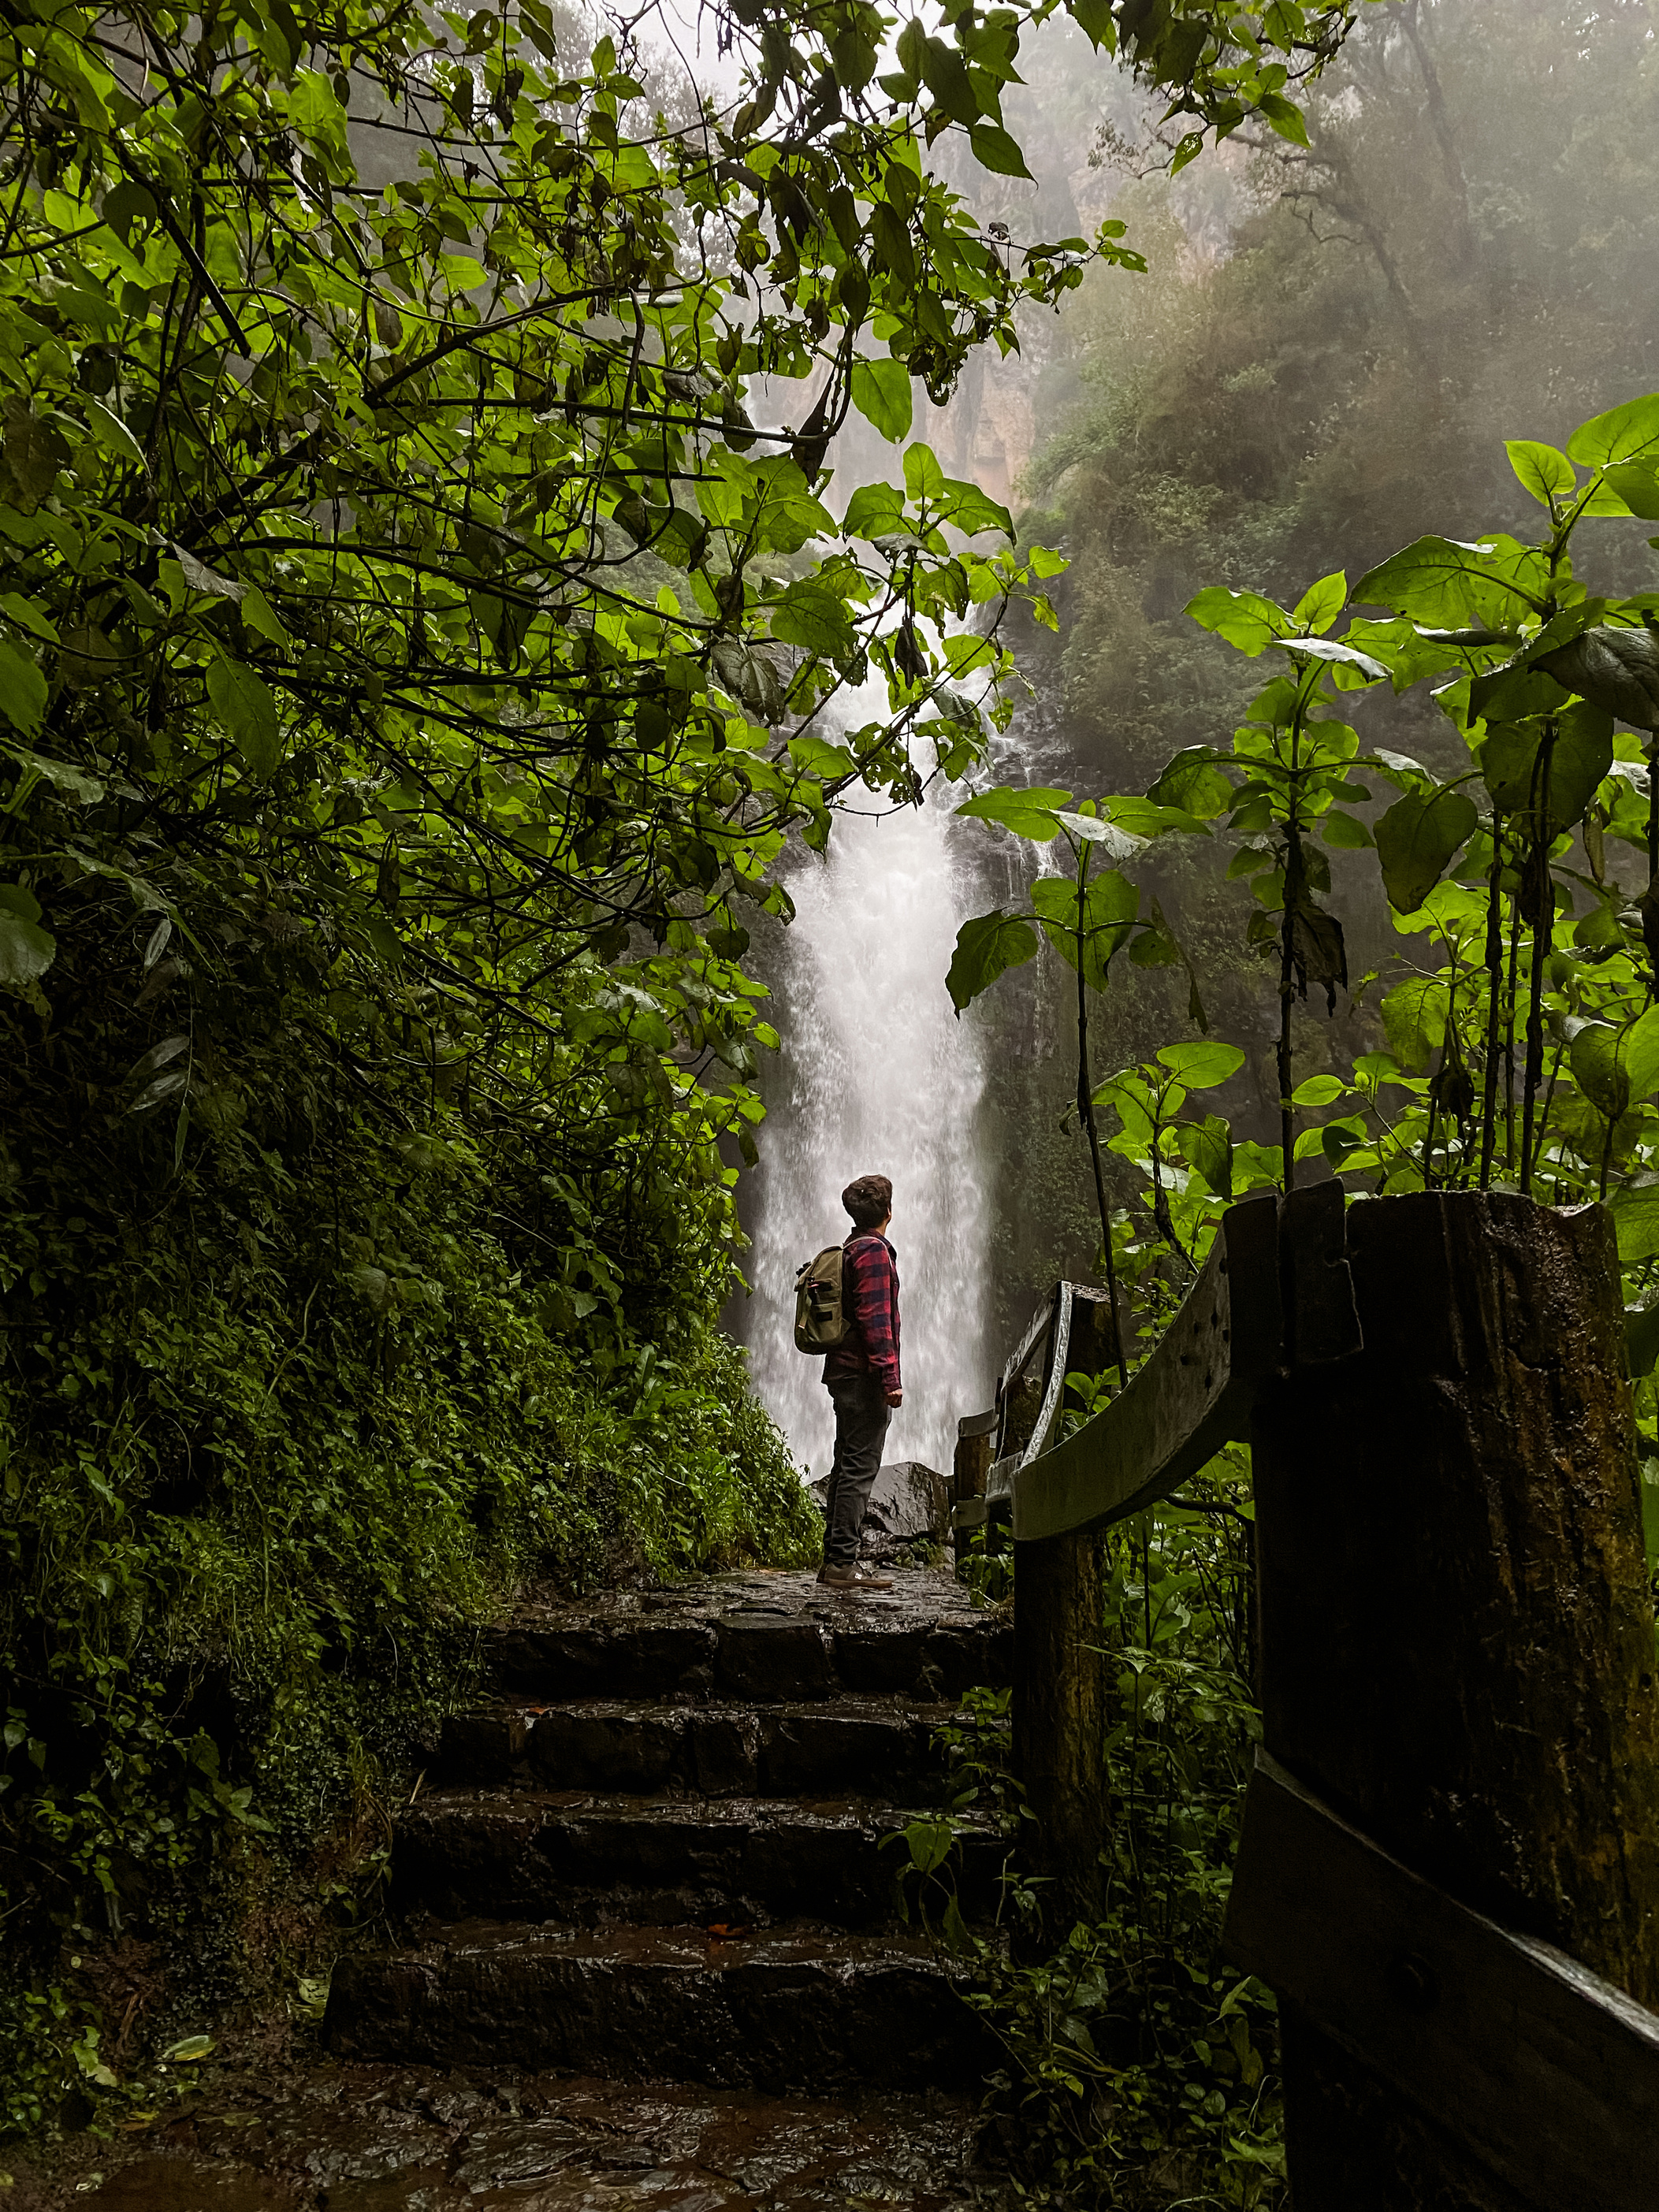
(862, 1413)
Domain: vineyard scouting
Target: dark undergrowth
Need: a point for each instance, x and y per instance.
(286, 1411)
(1139, 2069)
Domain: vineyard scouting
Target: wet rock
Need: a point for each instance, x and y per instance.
(777, 2012)
(772, 1657)
(179, 2184)
(585, 1859)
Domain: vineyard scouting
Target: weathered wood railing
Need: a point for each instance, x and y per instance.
(1449, 1870)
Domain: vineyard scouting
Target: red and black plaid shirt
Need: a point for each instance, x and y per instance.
(869, 1293)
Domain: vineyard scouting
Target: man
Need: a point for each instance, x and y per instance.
(861, 1374)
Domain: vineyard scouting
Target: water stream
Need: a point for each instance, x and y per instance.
(876, 1076)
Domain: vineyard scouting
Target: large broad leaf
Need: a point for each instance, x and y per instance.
(986, 947)
(1594, 1058)
(1243, 618)
(881, 392)
(1635, 486)
(1207, 1148)
(26, 950)
(1106, 917)
(970, 510)
(1416, 839)
(1545, 473)
(1580, 758)
(1618, 668)
(1619, 436)
(1321, 603)
(1451, 586)
(993, 149)
(243, 702)
(1639, 1051)
(874, 511)
(1635, 1212)
(1202, 1066)
(22, 688)
(1339, 655)
(1414, 1020)
(1030, 813)
(812, 616)
(1192, 782)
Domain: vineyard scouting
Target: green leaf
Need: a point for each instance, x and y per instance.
(1615, 666)
(993, 149)
(22, 688)
(26, 950)
(1345, 831)
(924, 479)
(1108, 908)
(1203, 1066)
(244, 704)
(110, 432)
(1334, 650)
(1581, 757)
(970, 510)
(1414, 1021)
(1441, 581)
(986, 947)
(1194, 782)
(881, 392)
(1641, 1350)
(1030, 813)
(1321, 603)
(1283, 117)
(1639, 1051)
(1416, 838)
(812, 616)
(1594, 1058)
(189, 2049)
(873, 510)
(1635, 1210)
(1548, 475)
(1245, 619)
(1635, 485)
(1619, 436)
(1206, 1146)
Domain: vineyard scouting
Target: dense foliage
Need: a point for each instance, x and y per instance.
(1139, 2068)
(410, 653)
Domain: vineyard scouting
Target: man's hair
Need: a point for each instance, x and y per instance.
(869, 1199)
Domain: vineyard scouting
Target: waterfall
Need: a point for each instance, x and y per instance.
(876, 1076)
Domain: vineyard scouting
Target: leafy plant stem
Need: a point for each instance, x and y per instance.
(1085, 1106)
(1494, 961)
(1293, 894)
(1545, 895)
(1508, 1036)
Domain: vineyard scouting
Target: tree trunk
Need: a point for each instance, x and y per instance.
(1457, 1637)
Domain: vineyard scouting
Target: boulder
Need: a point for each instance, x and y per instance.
(909, 1504)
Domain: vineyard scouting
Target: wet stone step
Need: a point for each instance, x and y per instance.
(866, 1748)
(760, 1659)
(594, 1860)
(760, 1638)
(779, 2011)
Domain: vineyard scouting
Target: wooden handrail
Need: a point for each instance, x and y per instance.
(1195, 1393)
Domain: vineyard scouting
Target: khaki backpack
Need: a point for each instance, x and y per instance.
(820, 1321)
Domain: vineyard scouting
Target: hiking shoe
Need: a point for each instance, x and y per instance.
(854, 1578)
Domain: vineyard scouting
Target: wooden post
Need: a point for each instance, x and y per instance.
(1060, 1687)
(1060, 1723)
(975, 1440)
(1457, 1638)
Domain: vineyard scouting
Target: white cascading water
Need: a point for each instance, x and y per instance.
(876, 1076)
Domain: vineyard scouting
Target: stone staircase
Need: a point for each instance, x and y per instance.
(657, 1851)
